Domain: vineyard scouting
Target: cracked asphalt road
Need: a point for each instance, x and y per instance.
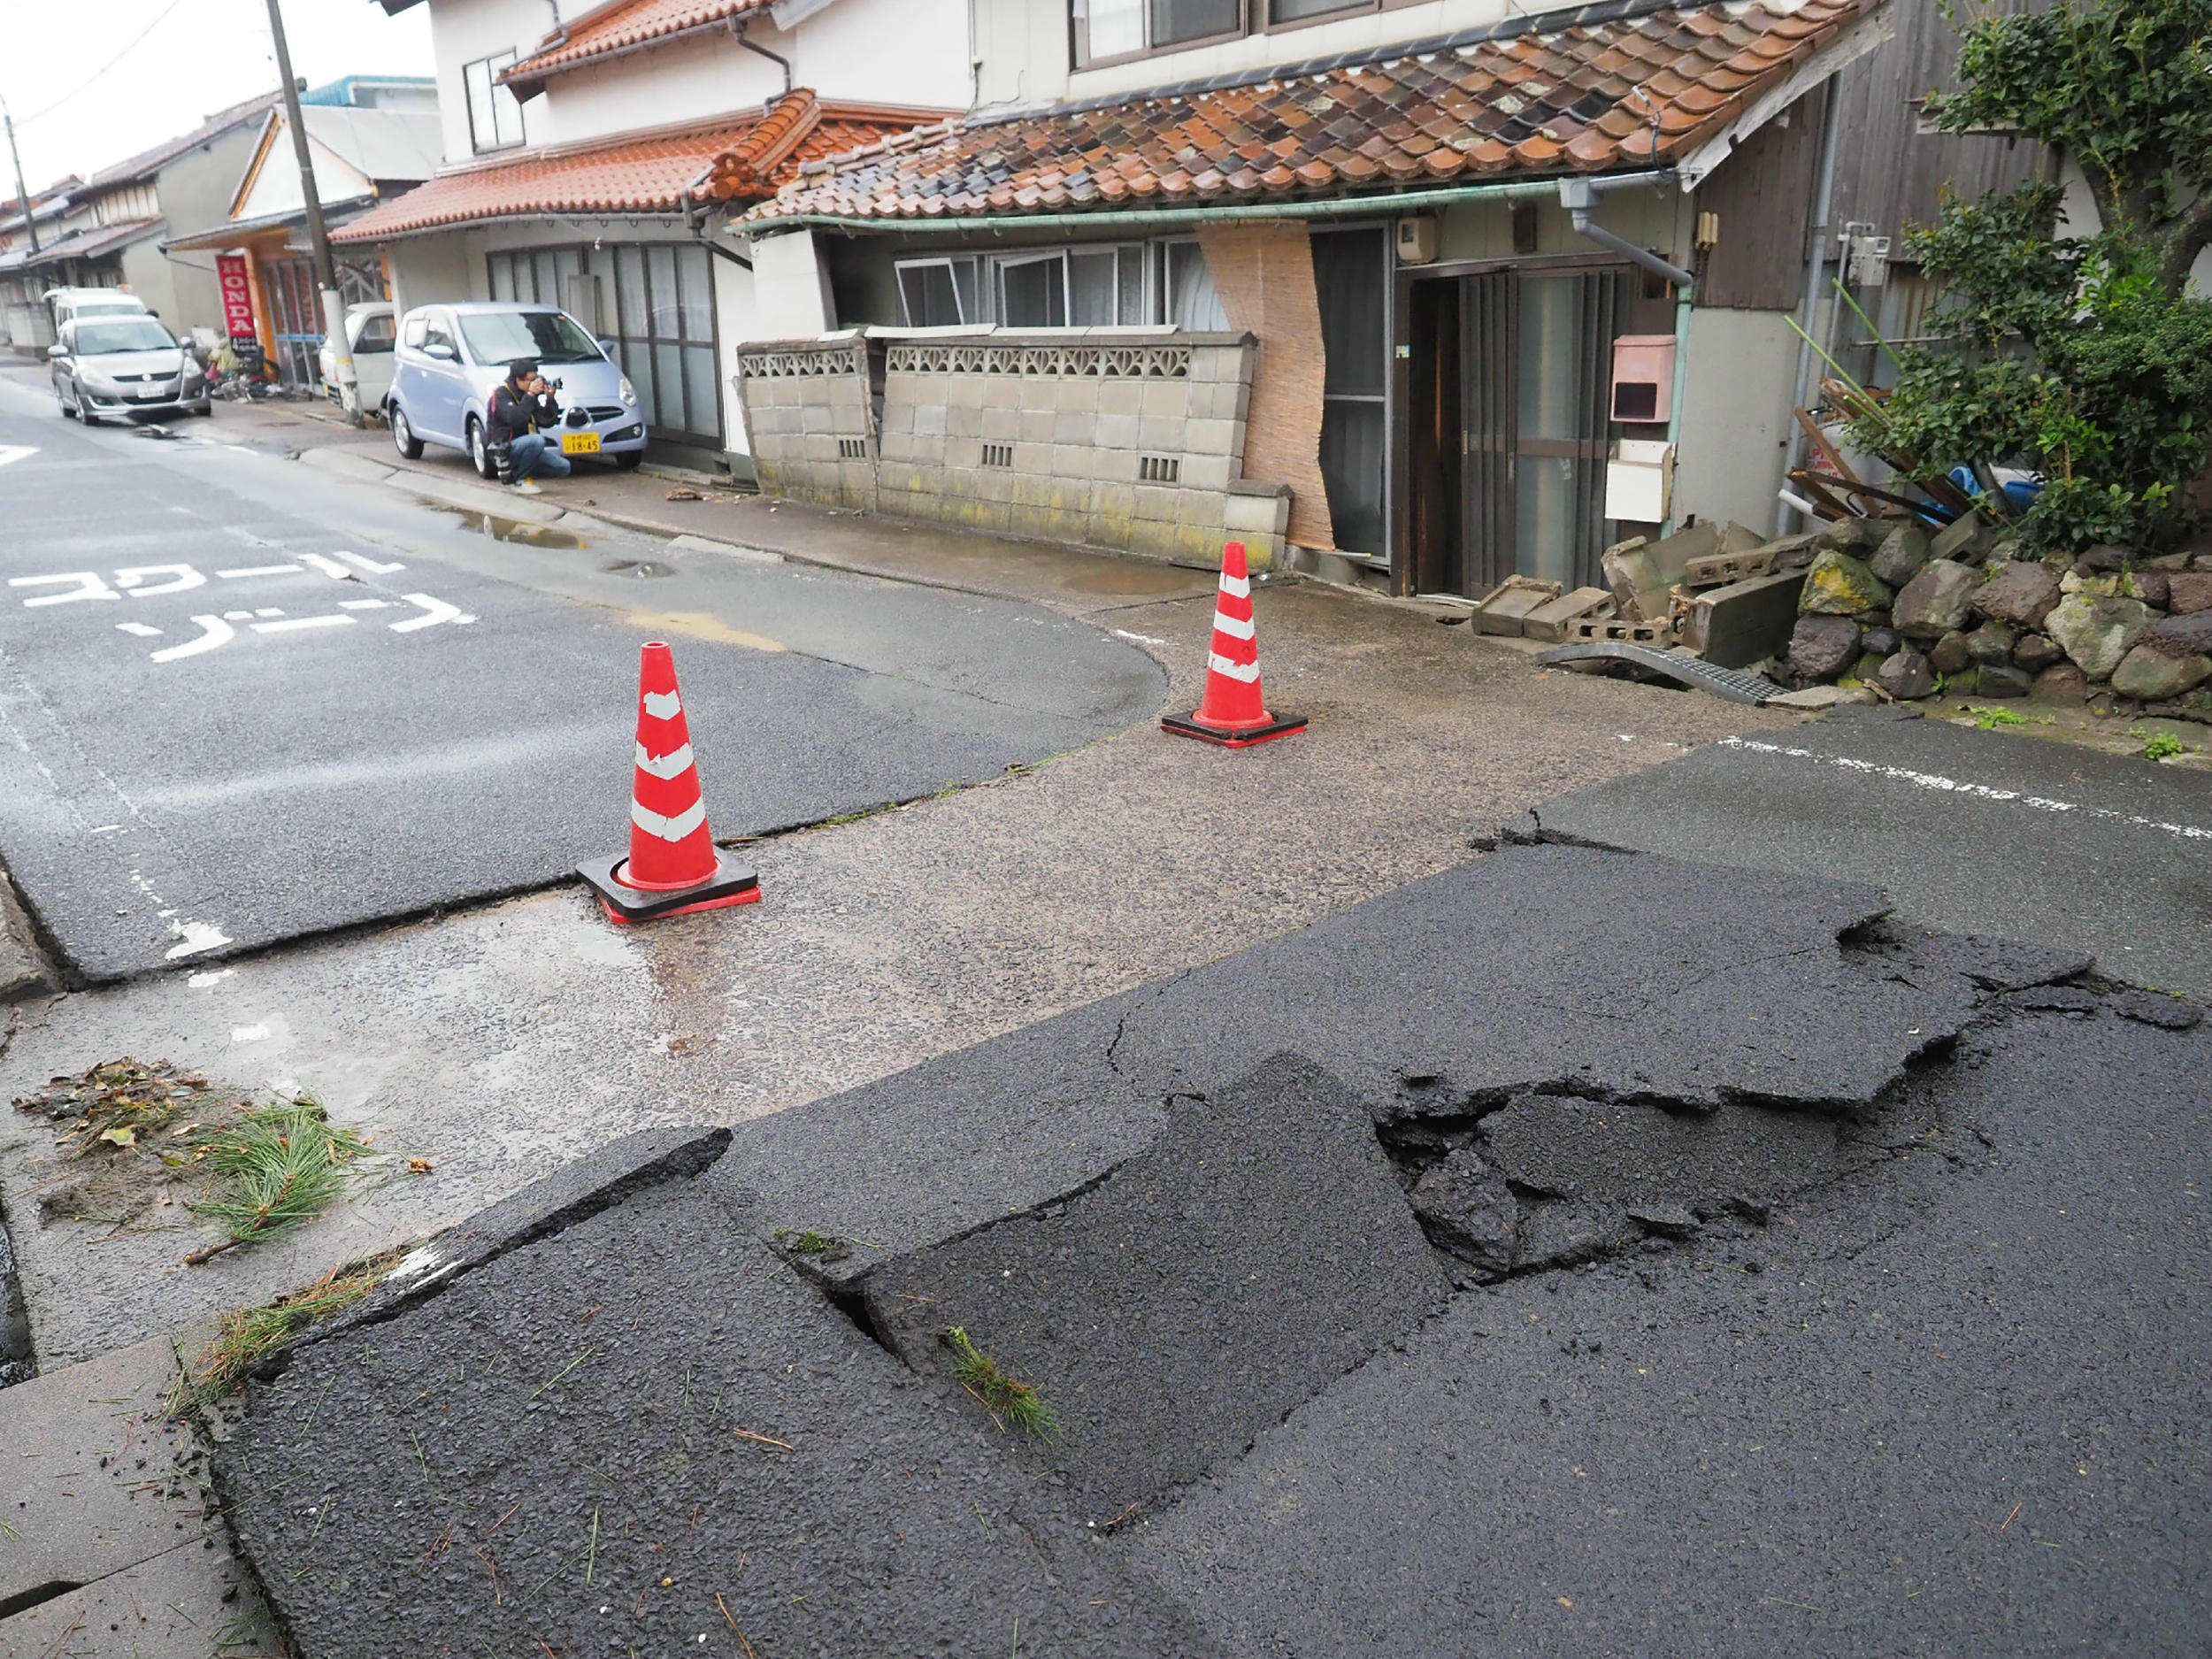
(1947, 1395)
(244, 700)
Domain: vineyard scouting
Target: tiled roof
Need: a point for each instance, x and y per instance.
(214, 126)
(624, 26)
(741, 156)
(1644, 88)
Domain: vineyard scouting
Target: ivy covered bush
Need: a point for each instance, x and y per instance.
(2082, 357)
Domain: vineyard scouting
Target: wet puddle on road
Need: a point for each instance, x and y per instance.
(513, 530)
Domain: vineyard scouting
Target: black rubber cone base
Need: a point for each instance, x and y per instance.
(732, 883)
(1235, 736)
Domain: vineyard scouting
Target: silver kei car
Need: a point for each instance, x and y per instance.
(108, 367)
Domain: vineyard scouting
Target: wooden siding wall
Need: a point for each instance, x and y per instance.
(1889, 175)
(1763, 195)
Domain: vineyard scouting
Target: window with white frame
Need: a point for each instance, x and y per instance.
(1109, 30)
(495, 116)
(1099, 285)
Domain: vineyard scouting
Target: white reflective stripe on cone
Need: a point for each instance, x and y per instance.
(1237, 587)
(1245, 672)
(669, 829)
(665, 767)
(1235, 627)
(662, 705)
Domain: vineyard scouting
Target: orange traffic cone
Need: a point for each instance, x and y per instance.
(672, 867)
(1231, 713)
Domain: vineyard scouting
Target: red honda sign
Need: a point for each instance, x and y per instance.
(230, 276)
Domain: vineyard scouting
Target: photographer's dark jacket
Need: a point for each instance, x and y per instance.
(514, 413)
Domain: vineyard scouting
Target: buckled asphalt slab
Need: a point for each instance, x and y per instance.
(1884, 1391)
(2089, 851)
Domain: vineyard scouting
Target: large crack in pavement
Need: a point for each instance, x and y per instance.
(689, 1397)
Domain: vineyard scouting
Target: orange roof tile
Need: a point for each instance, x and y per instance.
(1519, 97)
(627, 25)
(735, 158)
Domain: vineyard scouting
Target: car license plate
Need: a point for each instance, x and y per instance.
(579, 443)
(150, 392)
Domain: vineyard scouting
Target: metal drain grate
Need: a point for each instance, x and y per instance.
(1732, 684)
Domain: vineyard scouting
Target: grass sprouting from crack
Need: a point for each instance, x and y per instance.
(276, 1167)
(809, 1242)
(1006, 1400)
(246, 1336)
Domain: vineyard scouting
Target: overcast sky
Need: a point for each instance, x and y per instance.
(197, 57)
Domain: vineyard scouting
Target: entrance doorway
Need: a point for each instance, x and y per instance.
(1508, 396)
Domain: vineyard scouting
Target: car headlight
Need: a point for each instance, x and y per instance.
(101, 384)
(192, 372)
(628, 392)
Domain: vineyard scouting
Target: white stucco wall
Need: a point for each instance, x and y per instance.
(791, 291)
(734, 320)
(1023, 46)
(1734, 416)
(463, 31)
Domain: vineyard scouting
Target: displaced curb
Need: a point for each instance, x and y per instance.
(25, 968)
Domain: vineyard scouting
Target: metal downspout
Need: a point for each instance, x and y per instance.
(1814, 271)
(1577, 197)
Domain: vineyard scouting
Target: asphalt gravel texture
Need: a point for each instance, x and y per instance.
(1961, 827)
(398, 712)
(1945, 1395)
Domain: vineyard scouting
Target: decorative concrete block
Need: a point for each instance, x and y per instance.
(999, 392)
(964, 420)
(1120, 397)
(929, 417)
(1001, 425)
(1036, 425)
(1075, 426)
(1038, 391)
(962, 391)
(1077, 393)
(1115, 432)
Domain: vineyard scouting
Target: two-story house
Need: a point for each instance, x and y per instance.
(582, 165)
(1421, 295)
(110, 233)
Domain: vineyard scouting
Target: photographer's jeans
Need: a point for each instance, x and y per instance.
(537, 457)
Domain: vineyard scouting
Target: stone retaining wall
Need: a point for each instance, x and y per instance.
(1119, 439)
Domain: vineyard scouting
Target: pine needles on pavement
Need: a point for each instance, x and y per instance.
(246, 1336)
(274, 1168)
(1006, 1400)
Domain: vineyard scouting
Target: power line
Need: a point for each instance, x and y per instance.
(86, 85)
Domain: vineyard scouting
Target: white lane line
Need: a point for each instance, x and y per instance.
(365, 604)
(1938, 783)
(11, 453)
(138, 630)
(292, 625)
(261, 569)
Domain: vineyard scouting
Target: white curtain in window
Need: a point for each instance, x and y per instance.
(1189, 300)
(1115, 27)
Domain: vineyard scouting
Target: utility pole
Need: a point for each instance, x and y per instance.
(325, 268)
(30, 222)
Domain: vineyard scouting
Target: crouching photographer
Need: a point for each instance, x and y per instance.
(524, 413)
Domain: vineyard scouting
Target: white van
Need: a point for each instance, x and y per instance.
(66, 306)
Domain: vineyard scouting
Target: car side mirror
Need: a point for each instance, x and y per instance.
(606, 349)
(57, 349)
(443, 353)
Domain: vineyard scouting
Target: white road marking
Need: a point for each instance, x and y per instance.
(669, 829)
(662, 705)
(11, 453)
(139, 629)
(1936, 782)
(293, 625)
(269, 610)
(130, 580)
(200, 981)
(217, 631)
(328, 566)
(1141, 639)
(239, 616)
(248, 1033)
(665, 767)
(88, 587)
(369, 565)
(248, 536)
(193, 938)
(365, 604)
(439, 611)
(260, 570)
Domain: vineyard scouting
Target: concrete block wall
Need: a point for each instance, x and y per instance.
(811, 419)
(1131, 441)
